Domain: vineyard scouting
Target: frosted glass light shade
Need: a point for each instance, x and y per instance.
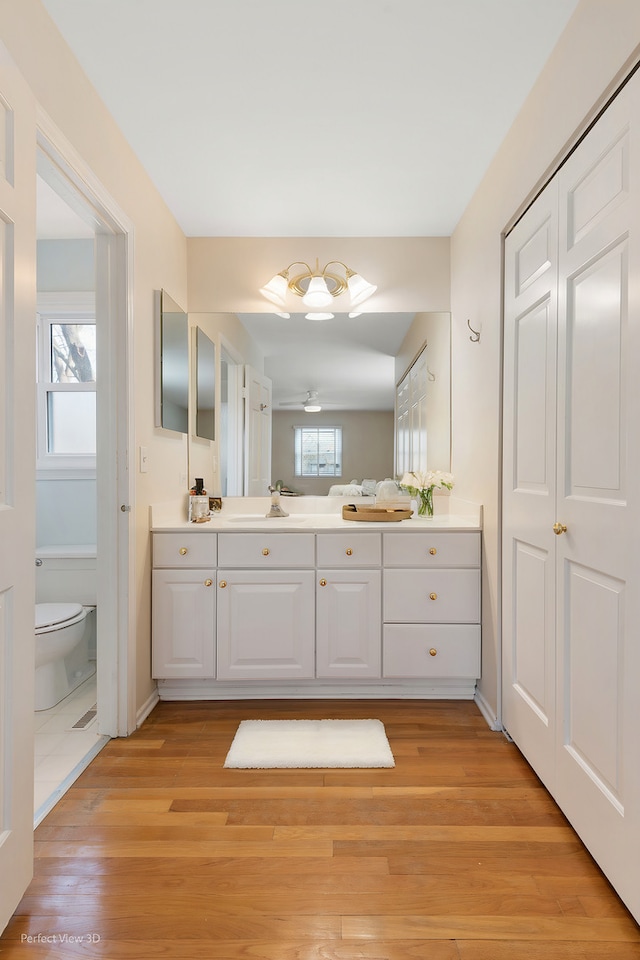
(359, 289)
(317, 294)
(312, 408)
(276, 289)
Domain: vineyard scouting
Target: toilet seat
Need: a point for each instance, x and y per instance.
(54, 616)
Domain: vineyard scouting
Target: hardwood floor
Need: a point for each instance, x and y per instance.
(457, 853)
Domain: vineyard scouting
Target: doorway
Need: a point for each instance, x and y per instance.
(82, 476)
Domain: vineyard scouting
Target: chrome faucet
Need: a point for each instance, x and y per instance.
(275, 509)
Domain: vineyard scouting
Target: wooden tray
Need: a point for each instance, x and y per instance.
(373, 514)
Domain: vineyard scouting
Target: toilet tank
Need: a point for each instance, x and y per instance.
(66, 573)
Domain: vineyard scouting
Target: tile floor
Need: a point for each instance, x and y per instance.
(62, 753)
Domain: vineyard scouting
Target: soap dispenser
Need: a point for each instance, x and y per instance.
(198, 503)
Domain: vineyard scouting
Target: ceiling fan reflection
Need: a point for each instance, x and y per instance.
(310, 403)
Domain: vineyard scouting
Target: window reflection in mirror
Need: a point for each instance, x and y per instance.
(174, 366)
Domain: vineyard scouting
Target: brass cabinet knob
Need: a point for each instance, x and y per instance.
(432, 551)
(208, 582)
(348, 551)
(559, 528)
(433, 652)
(183, 551)
(265, 552)
(323, 582)
(433, 596)
(223, 583)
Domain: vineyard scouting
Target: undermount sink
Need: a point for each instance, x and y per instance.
(261, 518)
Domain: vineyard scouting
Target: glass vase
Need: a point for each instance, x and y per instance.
(425, 503)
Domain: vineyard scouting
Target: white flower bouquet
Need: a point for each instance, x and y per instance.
(422, 483)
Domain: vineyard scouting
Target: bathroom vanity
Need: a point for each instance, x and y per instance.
(313, 605)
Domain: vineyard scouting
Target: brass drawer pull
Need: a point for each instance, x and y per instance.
(348, 551)
(208, 582)
(266, 552)
(432, 551)
(433, 652)
(183, 551)
(559, 528)
(323, 582)
(433, 596)
(223, 583)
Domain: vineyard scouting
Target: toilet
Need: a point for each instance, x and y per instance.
(64, 622)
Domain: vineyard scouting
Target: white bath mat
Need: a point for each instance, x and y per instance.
(262, 744)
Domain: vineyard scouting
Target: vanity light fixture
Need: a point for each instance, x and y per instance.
(318, 286)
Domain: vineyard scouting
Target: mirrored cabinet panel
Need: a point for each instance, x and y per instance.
(172, 401)
(205, 385)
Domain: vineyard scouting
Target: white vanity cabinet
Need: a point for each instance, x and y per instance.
(348, 605)
(431, 606)
(336, 609)
(183, 606)
(265, 599)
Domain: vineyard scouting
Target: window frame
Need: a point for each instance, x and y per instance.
(58, 308)
(298, 433)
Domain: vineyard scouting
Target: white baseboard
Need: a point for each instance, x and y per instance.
(487, 711)
(146, 708)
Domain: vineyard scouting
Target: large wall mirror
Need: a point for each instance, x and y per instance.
(350, 367)
(172, 395)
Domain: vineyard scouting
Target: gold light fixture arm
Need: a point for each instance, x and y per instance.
(325, 283)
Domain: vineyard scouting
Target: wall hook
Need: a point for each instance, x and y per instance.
(430, 376)
(476, 333)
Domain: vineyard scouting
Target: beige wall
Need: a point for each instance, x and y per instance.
(599, 40)
(226, 273)
(367, 447)
(160, 260)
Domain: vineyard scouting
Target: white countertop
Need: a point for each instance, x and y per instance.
(310, 515)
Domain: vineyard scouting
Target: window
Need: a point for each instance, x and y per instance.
(66, 371)
(318, 451)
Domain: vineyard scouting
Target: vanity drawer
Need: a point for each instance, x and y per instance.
(349, 550)
(184, 549)
(438, 549)
(416, 650)
(431, 596)
(266, 549)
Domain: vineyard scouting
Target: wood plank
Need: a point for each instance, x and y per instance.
(457, 853)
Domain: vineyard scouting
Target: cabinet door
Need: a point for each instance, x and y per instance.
(348, 640)
(183, 620)
(266, 624)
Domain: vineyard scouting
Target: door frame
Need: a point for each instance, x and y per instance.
(114, 475)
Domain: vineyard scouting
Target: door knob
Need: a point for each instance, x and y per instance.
(559, 528)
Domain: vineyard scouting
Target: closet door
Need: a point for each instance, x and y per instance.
(529, 484)
(598, 582)
(571, 501)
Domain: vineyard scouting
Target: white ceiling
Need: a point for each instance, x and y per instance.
(349, 362)
(275, 118)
